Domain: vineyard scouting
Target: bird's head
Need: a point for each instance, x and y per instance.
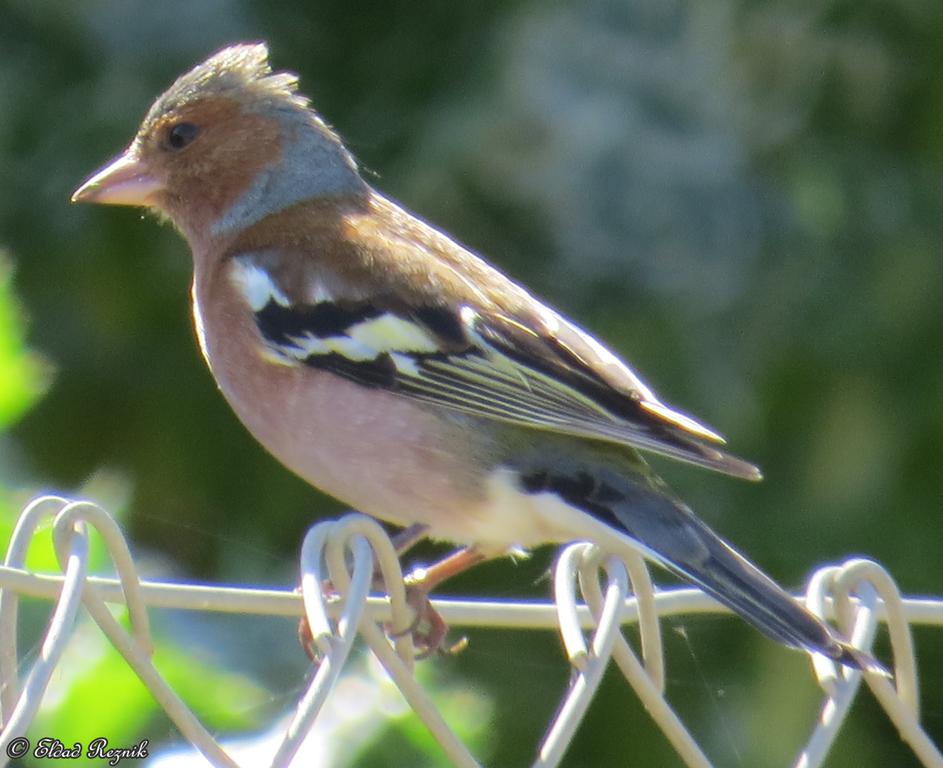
(226, 145)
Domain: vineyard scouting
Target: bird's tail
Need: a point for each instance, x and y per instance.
(668, 532)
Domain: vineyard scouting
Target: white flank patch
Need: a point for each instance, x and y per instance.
(529, 520)
(256, 285)
(512, 516)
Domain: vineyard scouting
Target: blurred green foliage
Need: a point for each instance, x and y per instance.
(742, 197)
(97, 694)
(23, 374)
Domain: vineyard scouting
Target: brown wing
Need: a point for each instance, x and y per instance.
(442, 326)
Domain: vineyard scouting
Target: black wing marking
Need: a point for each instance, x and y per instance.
(492, 366)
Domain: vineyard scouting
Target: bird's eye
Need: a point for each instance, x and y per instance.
(181, 134)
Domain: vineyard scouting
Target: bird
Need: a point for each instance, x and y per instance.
(392, 367)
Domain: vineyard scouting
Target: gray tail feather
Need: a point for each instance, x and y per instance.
(637, 504)
(685, 545)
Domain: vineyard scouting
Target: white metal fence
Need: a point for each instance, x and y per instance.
(593, 598)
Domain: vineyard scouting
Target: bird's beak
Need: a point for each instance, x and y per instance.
(124, 181)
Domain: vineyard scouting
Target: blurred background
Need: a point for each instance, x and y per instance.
(744, 198)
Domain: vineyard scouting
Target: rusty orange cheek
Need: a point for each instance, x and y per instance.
(232, 149)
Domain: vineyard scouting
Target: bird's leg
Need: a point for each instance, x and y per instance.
(458, 562)
(403, 541)
(429, 628)
(409, 537)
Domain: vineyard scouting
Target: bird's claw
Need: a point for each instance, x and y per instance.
(428, 629)
(305, 636)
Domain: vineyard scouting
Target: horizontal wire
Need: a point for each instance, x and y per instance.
(856, 594)
(539, 614)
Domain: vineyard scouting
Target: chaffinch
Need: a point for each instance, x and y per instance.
(398, 371)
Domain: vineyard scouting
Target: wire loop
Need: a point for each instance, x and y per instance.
(343, 561)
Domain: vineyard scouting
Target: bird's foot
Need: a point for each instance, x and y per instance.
(402, 541)
(429, 630)
(305, 636)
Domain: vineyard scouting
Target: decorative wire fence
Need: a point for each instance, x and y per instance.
(593, 597)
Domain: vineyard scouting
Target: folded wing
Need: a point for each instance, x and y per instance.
(539, 372)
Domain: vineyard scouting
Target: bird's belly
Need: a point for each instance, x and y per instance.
(378, 452)
(375, 451)
(381, 453)
(390, 458)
